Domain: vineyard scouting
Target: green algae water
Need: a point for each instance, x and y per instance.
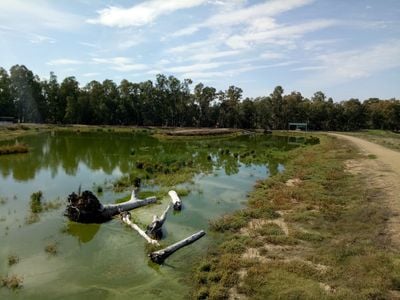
(109, 261)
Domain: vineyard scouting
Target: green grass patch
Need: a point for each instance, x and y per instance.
(337, 247)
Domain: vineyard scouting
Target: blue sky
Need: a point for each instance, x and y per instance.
(345, 48)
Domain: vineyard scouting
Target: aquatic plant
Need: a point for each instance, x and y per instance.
(36, 202)
(51, 248)
(12, 259)
(12, 282)
(3, 201)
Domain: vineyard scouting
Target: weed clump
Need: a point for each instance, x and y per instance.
(99, 189)
(12, 259)
(3, 201)
(51, 248)
(12, 282)
(36, 202)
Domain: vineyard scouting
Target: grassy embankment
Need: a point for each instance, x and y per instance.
(385, 138)
(8, 132)
(314, 232)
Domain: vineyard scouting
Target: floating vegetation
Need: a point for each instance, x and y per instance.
(51, 205)
(3, 201)
(13, 149)
(51, 248)
(36, 202)
(12, 282)
(32, 218)
(99, 189)
(37, 207)
(12, 259)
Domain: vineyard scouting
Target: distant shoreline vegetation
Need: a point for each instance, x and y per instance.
(13, 149)
(170, 102)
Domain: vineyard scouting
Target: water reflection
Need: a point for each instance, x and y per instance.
(104, 151)
(83, 232)
(118, 256)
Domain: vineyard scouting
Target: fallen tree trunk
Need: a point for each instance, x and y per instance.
(176, 201)
(161, 255)
(155, 228)
(86, 208)
(126, 218)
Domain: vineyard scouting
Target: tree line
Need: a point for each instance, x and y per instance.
(170, 102)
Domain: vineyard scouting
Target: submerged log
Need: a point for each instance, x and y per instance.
(126, 218)
(176, 201)
(155, 228)
(86, 208)
(161, 255)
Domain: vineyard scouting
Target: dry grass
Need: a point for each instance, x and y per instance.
(12, 282)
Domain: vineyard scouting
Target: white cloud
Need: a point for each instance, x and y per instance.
(123, 64)
(309, 68)
(90, 45)
(210, 55)
(194, 67)
(259, 15)
(341, 67)
(29, 15)
(272, 55)
(318, 44)
(37, 39)
(195, 46)
(63, 62)
(34, 38)
(232, 72)
(249, 38)
(141, 14)
(93, 74)
(364, 62)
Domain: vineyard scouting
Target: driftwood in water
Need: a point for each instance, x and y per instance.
(161, 255)
(155, 228)
(176, 201)
(126, 218)
(86, 208)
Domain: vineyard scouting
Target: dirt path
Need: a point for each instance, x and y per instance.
(384, 174)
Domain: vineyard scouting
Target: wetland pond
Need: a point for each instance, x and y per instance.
(59, 259)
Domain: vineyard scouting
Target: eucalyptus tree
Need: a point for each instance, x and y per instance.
(293, 108)
(51, 94)
(26, 92)
(68, 96)
(248, 114)
(110, 102)
(203, 96)
(276, 103)
(353, 114)
(130, 106)
(229, 106)
(7, 105)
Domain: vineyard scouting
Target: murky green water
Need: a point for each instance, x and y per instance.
(109, 261)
